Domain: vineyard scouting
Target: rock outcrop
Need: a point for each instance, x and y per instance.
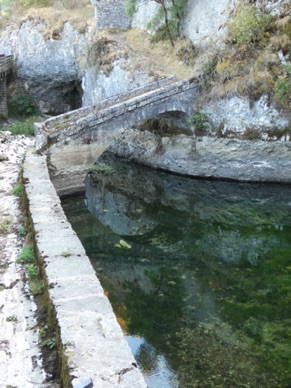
(73, 69)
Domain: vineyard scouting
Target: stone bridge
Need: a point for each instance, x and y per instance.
(5, 68)
(73, 141)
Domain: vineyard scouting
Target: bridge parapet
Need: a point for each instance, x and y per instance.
(75, 140)
(53, 123)
(126, 109)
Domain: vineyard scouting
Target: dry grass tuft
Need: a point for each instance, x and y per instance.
(244, 72)
(281, 24)
(53, 17)
(160, 57)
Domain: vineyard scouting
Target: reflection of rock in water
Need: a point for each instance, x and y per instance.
(167, 209)
(123, 215)
(202, 272)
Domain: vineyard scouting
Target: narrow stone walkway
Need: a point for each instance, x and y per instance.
(20, 355)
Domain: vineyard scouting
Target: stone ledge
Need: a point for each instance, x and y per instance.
(90, 335)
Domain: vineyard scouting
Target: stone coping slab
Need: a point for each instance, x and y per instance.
(92, 340)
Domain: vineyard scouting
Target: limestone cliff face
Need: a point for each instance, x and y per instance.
(56, 72)
(246, 140)
(61, 74)
(46, 69)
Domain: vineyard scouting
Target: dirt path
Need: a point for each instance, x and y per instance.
(20, 356)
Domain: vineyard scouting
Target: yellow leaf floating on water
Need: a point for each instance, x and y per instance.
(123, 244)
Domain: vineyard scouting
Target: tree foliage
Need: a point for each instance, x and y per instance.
(130, 7)
(166, 22)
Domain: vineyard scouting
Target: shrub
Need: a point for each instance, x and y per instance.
(23, 105)
(208, 73)
(22, 230)
(32, 271)
(21, 128)
(200, 122)
(166, 22)
(49, 343)
(18, 190)
(282, 89)
(36, 286)
(26, 255)
(130, 7)
(250, 26)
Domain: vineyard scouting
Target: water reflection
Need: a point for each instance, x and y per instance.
(198, 272)
(154, 366)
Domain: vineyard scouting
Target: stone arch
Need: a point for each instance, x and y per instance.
(72, 140)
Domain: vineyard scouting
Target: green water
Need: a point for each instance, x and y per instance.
(198, 273)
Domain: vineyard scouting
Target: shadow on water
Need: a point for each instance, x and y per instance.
(198, 273)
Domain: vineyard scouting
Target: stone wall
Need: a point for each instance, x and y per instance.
(117, 113)
(5, 68)
(3, 98)
(75, 140)
(92, 347)
(111, 14)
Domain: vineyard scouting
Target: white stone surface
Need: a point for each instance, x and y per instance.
(20, 356)
(145, 11)
(92, 339)
(236, 114)
(205, 21)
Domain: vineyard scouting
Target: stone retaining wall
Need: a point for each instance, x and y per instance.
(91, 340)
(3, 99)
(5, 68)
(111, 14)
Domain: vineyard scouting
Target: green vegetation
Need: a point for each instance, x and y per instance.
(24, 127)
(208, 73)
(122, 244)
(35, 3)
(23, 105)
(102, 168)
(32, 271)
(26, 255)
(250, 26)
(166, 23)
(67, 253)
(36, 286)
(5, 226)
(18, 190)
(130, 7)
(49, 343)
(53, 14)
(200, 121)
(282, 88)
(249, 64)
(12, 318)
(21, 230)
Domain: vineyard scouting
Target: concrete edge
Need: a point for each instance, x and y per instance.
(91, 341)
